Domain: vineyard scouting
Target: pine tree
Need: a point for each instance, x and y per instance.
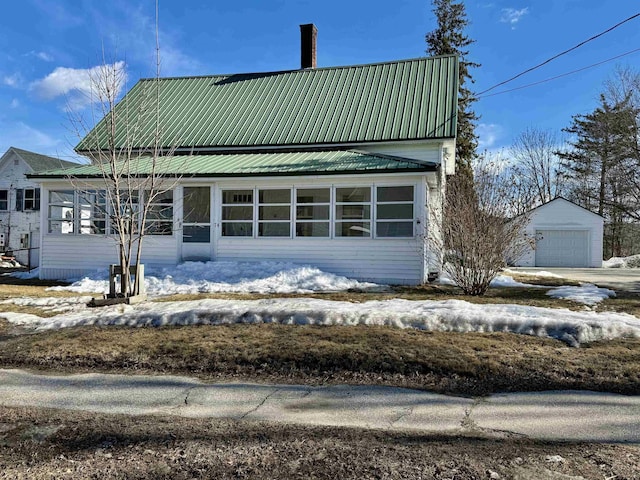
(603, 164)
(449, 39)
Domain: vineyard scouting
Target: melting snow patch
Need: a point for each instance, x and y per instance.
(541, 273)
(26, 275)
(622, 262)
(586, 293)
(237, 277)
(445, 316)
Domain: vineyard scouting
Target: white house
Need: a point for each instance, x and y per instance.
(567, 235)
(20, 202)
(336, 167)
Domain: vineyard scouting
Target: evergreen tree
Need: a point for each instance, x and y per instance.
(449, 39)
(603, 164)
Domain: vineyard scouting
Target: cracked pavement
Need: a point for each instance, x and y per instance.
(560, 415)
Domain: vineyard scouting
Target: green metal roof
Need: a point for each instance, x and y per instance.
(257, 164)
(38, 162)
(403, 100)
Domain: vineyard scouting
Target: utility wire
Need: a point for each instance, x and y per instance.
(561, 75)
(562, 53)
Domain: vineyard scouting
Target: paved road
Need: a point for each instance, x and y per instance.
(567, 415)
(624, 279)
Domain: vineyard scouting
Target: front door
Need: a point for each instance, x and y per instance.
(196, 224)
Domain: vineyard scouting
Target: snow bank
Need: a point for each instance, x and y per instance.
(622, 262)
(445, 316)
(238, 277)
(27, 275)
(586, 293)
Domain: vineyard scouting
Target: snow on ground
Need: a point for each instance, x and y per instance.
(622, 262)
(541, 273)
(449, 315)
(26, 275)
(280, 277)
(9, 264)
(237, 277)
(586, 293)
(498, 281)
(54, 304)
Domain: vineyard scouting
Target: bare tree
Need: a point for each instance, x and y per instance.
(130, 194)
(476, 236)
(537, 165)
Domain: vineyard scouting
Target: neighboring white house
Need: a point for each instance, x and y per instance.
(567, 235)
(335, 167)
(20, 202)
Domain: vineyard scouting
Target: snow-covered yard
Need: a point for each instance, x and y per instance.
(278, 277)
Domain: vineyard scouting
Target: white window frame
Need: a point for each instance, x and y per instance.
(63, 219)
(328, 204)
(337, 204)
(374, 214)
(31, 198)
(258, 204)
(253, 211)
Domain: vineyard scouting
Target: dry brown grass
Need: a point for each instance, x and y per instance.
(467, 364)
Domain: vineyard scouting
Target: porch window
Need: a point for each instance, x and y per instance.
(159, 219)
(274, 213)
(129, 212)
(92, 205)
(353, 212)
(312, 212)
(61, 211)
(394, 211)
(237, 213)
(4, 200)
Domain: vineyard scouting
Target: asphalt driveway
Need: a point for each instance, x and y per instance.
(621, 279)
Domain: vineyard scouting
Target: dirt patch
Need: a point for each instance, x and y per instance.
(88, 445)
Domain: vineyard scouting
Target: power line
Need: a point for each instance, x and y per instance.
(562, 53)
(562, 74)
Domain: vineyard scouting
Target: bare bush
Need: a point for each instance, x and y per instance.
(476, 235)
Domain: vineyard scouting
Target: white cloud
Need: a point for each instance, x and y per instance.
(14, 80)
(21, 135)
(80, 85)
(488, 135)
(15, 103)
(44, 56)
(512, 16)
(132, 28)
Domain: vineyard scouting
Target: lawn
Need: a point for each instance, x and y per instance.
(456, 363)
(40, 443)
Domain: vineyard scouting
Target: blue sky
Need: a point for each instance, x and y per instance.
(48, 46)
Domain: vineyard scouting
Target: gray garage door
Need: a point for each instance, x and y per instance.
(562, 248)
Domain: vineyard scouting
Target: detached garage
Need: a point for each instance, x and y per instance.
(567, 235)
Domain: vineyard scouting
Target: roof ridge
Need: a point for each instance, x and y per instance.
(299, 70)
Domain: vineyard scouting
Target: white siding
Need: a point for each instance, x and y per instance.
(14, 224)
(380, 260)
(386, 260)
(561, 214)
(69, 256)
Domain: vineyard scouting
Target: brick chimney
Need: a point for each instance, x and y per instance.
(308, 37)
